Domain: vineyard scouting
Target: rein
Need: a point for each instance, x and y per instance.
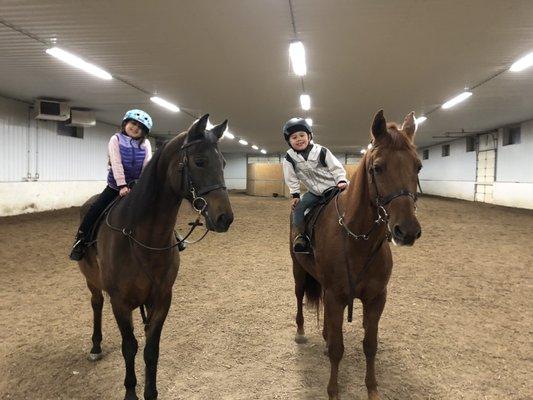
(382, 217)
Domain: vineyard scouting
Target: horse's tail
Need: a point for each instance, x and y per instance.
(313, 292)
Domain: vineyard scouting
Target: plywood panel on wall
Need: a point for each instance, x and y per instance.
(267, 179)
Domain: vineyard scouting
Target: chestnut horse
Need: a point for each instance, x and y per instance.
(351, 256)
(135, 259)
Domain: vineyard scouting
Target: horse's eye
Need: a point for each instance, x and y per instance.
(418, 168)
(200, 162)
(377, 169)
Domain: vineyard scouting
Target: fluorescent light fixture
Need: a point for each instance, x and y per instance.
(263, 151)
(297, 55)
(77, 62)
(522, 64)
(305, 101)
(456, 100)
(165, 104)
(255, 147)
(229, 135)
(420, 120)
(309, 121)
(243, 142)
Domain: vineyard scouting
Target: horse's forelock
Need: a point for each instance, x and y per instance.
(398, 140)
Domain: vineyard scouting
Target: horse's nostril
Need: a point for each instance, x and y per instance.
(419, 234)
(397, 231)
(225, 220)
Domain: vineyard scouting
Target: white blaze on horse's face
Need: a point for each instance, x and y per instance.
(393, 167)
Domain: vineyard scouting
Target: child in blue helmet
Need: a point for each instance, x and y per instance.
(314, 166)
(129, 151)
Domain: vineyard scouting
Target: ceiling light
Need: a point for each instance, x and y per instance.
(297, 55)
(305, 101)
(456, 100)
(229, 135)
(421, 119)
(243, 142)
(263, 151)
(255, 147)
(309, 121)
(165, 104)
(77, 62)
(522, 64)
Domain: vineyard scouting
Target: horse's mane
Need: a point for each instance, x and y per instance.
(144, 194)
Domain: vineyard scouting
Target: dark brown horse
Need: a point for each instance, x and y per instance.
(188, 167)
(352, 258)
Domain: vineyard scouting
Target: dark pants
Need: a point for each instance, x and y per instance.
(105, 198)
(308, 200)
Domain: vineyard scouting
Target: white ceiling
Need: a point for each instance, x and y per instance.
(230, 58)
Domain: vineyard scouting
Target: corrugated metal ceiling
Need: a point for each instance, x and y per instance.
(230, 58)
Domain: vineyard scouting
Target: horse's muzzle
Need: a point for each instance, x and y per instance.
(406, 234)
(221, 224)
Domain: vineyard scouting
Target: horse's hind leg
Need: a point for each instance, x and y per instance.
(372, 310)
(299, 289)
(156, 317)
(129, 346)
(97, 302)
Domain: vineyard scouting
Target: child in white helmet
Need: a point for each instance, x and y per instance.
(129, 151)
(314, 166)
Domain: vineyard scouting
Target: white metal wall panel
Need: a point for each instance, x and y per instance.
(63, 158)
(14, 137)
(514, 161)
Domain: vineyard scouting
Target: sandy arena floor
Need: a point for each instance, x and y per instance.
(457, 324)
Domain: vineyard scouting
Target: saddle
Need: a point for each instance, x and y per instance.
(312, 214)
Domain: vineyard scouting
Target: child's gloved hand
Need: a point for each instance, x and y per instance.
(294, 201)
(342, 185)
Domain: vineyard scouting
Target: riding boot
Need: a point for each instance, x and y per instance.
(182, 244)
(301, 243)
(79, 247)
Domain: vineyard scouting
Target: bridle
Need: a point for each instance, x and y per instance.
(382, 217)
(198, 202)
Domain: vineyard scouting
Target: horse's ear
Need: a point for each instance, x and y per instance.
(409, 125)
(379, 126)
(197, 130)
(220, 129)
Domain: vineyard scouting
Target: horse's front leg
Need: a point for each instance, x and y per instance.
(129, 346)
(372, 310)
(156, 318)
(299, 290)
(97, 303)
(334, 309)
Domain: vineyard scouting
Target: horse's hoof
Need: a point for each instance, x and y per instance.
(300, 339)
(95, 356)
(131, 396)
(374, 395)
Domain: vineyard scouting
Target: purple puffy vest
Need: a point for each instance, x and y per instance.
(132, 156)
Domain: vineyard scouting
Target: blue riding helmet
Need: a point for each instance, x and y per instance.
(139, 116)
